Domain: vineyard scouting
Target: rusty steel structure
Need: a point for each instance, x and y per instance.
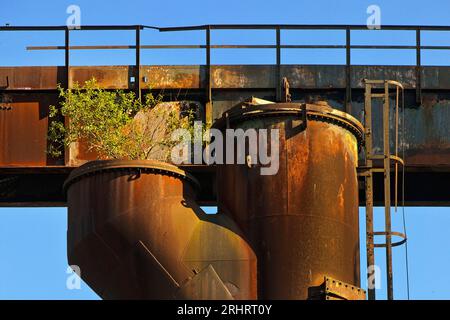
(303, 221)
(136, 232)
(27, 92)
(332, 289)
(123, 212)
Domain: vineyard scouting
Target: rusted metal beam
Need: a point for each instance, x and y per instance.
(369, 191)
(387, 193)
(30, 190)
(330, 77)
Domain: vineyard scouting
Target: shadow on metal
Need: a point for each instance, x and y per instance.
(136, 232)
(301, 222)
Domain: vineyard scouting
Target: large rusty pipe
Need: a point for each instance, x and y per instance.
(302, 222)
(136, 232)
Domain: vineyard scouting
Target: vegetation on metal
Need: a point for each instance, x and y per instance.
(115, 124)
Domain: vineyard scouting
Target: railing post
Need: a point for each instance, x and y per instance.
(278, 66)
(369, 192)
(66, 150)
(348, 79)
(208, 105)
(67, 56)
(137, 82)
(418, 68)
(387, 193)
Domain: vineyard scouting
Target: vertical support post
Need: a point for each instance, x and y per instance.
(138, 63)
(418, 68)
(396, 119)
(348, 79)
(66, 150)
(387, 192)
(208, 105)
(369, 190)
(278, 66)
(67, 56)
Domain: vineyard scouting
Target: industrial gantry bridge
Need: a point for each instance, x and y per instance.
(30, 177)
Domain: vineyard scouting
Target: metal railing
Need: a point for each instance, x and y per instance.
(137, 46)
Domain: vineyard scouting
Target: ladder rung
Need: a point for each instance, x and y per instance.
(377, 95)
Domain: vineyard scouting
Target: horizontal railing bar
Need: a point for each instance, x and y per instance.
(435, 47)
(302, 27)
(229, 27)
(31, 48)
(149, 47)
(106, 47)
(82, 27)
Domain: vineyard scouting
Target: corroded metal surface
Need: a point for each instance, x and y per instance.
(108, 77)
(173, 77)
(222, 76)
(404, 74)
(332, 289)
(30, 78)
(78, 153)
(23, 128)
(136, 232)
(303, 221)
(427, 136)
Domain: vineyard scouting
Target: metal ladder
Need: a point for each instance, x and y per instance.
(369, 169)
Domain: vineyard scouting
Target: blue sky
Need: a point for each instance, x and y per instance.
(33, 258)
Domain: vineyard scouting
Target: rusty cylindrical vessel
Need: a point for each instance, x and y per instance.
(136, 232)
(302, 222)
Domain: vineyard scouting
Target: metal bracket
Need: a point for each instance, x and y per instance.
(287, 97)
(332, 289)
(7, 83)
